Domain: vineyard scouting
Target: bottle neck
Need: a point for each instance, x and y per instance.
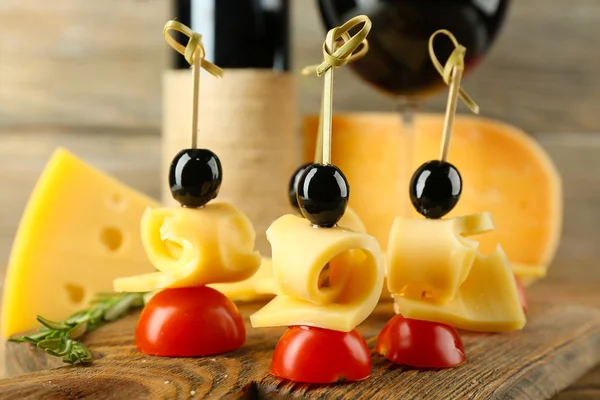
(239, 33)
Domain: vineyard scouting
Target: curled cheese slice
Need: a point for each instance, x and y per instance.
(433, 257)
(487, 301)
(194, 247)
(350, 220)
(258, 286)
(262, 283)
(326, 277)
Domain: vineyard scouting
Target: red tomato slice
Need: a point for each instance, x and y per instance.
(317, 355)
(197, 321)
(522, 295)
(420, 344)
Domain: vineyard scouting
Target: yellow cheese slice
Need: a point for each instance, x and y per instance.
(194, 247)
(438, 275)
(528, 273)
(350, 220)
(433, 256)
(301, 254)
(258, 286)
(487, 301)
(79, 231)
(262, 283)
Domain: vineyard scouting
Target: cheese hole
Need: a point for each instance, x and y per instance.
(116, 202)
(417, 291)
(75, 292)
(115, 198)
(111, 238)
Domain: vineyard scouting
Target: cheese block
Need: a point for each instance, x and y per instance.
(487, 300)
(433, 257)
(437, 275)
(326, 277)
(504, 172)
(262, 283)
(194, 247)
(79, 231)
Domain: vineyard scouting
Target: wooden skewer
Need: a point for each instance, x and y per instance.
(451, 73)
(195, 93)
(327, 107)
(455, 79)
(336, 55)
(319, 142)
(194, 53)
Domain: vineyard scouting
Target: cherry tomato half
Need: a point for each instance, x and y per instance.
(522, 295)
(317, 355)
(420, 344)
(196, 321)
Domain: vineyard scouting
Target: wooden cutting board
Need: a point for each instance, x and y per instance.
(559, 344)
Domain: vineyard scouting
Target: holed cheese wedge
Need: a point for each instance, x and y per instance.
(438, 275)
(79, 231)
(300, 256)
(262, 283)
(195, 247)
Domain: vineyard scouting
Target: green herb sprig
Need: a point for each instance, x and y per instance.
(60, 339)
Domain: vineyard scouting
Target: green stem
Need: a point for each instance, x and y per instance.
(60, 339)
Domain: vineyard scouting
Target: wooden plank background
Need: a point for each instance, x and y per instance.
(99, 63)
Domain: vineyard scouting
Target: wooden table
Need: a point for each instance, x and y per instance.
(131, 155)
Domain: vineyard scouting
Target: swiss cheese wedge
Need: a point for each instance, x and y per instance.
(504, 172)
(79, 231)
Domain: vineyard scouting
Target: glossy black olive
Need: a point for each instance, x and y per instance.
(323, 193)
(293, 186)
(195, 177)
(435, 188)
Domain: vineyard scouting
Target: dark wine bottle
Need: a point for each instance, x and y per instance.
(239, 33)
(398, 60)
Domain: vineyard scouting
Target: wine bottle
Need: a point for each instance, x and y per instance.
(239, 33)
(249, 116)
